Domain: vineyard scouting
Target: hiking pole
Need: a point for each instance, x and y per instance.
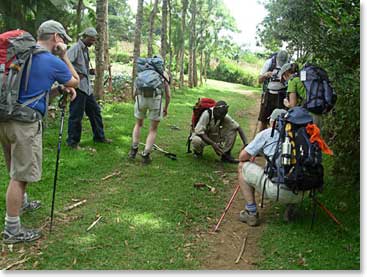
(167, 154)
(62, 105)
(227, 207)
(327, 212)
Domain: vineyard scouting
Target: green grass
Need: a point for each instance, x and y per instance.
(148, 213)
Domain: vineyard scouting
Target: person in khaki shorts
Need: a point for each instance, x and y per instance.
(153, 106)
(251, 176)
(22, 141)
(217, 129)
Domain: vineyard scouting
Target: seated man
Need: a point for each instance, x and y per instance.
(251, 176)
(216, 128)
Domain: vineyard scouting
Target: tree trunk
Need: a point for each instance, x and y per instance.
(170, 37)
(79, 10)
(201, 67)
(192, 45)
(138, 25)
(101, 12)
(185, 3)
(106, 42)
(151, 28)
(164, 30)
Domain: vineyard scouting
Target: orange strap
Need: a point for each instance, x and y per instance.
(315, 136)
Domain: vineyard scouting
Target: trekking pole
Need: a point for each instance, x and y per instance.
(327, 212)
(62, 105)
(227, 207)
(167, 154)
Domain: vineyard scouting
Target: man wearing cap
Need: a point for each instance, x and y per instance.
(274, 91)
(251, 177)
(22, 141)
(85, 100)
(217, 129)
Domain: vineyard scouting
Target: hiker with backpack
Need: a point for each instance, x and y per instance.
(317, 96)
(292, 147)
(217, 129)
(29, 75)
(274, 91)
(85, 100)
(150, 87)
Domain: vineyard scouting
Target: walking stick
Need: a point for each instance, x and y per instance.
(62, 105)
(227, 207)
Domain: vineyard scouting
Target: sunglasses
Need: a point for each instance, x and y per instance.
(63, 38)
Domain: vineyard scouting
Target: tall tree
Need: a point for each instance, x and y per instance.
(164, 29)
(79, 11)
(137, 39)
(151, 27)
(181, 61)
(101, 27)
(192, 45)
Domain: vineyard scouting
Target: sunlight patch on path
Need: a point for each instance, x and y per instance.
(238, 88)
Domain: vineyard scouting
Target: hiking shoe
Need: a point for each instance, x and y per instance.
(146, 159)
(132, 153)
(290, 213)
(74, 146)
(31, 206)
(24, 235)
(104, 140)
(227, 158)
(250, 219)
(198, 155)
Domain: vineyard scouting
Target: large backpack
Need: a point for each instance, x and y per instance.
(149, 80)
(320, 96)
(201, 106)
(297, 163)
(17, 48)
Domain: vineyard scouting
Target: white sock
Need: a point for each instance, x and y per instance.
(12, 224)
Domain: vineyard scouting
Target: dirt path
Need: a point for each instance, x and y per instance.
(224, 246)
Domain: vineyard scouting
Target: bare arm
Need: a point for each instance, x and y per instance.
(244, 156)
(265, 76)
(242, 136)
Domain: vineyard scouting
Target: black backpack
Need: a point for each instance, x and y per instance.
(297, 163)
(320, 95)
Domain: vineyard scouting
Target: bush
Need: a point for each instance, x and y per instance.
(231, 72)
(120, 57)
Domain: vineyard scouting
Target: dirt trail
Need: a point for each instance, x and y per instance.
(225, 245)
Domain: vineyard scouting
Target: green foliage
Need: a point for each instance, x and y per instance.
(120, 57)
(326, 33)
(231, 72)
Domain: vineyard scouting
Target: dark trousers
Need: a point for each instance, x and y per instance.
(88, 104)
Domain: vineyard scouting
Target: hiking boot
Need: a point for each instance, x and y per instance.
(132, 153)
(198, 155)
(250, 219)
(31, 206)
(74, 146)
(290, 213)
(104, 140)
(24, 235)
(227, 158)
(146, 159)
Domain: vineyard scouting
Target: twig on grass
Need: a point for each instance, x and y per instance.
(68, 208)
(94, 223)
(16, 263)
(117, 173)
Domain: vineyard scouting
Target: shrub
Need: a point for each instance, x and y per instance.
(120, 57)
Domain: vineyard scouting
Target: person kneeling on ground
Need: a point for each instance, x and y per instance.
(216, 128)
(251, 177)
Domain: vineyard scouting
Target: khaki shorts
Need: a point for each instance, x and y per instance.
(151, 105)
(254, 176)
(25, 140)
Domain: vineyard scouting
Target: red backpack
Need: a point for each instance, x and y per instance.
(202, 105)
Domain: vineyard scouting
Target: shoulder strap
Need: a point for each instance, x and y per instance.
(157, 70)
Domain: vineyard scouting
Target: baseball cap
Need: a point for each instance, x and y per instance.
(90, 32)
(285, 68)
(51, 27)
(277, 112)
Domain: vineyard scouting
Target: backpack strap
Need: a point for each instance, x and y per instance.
(2, 73)
(157, 70)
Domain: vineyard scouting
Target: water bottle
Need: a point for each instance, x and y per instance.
(286, 152)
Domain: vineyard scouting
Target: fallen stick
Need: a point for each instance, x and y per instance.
(111, 175)
(68, 208)
(242, 250)
(94, 223)
(16, 263)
